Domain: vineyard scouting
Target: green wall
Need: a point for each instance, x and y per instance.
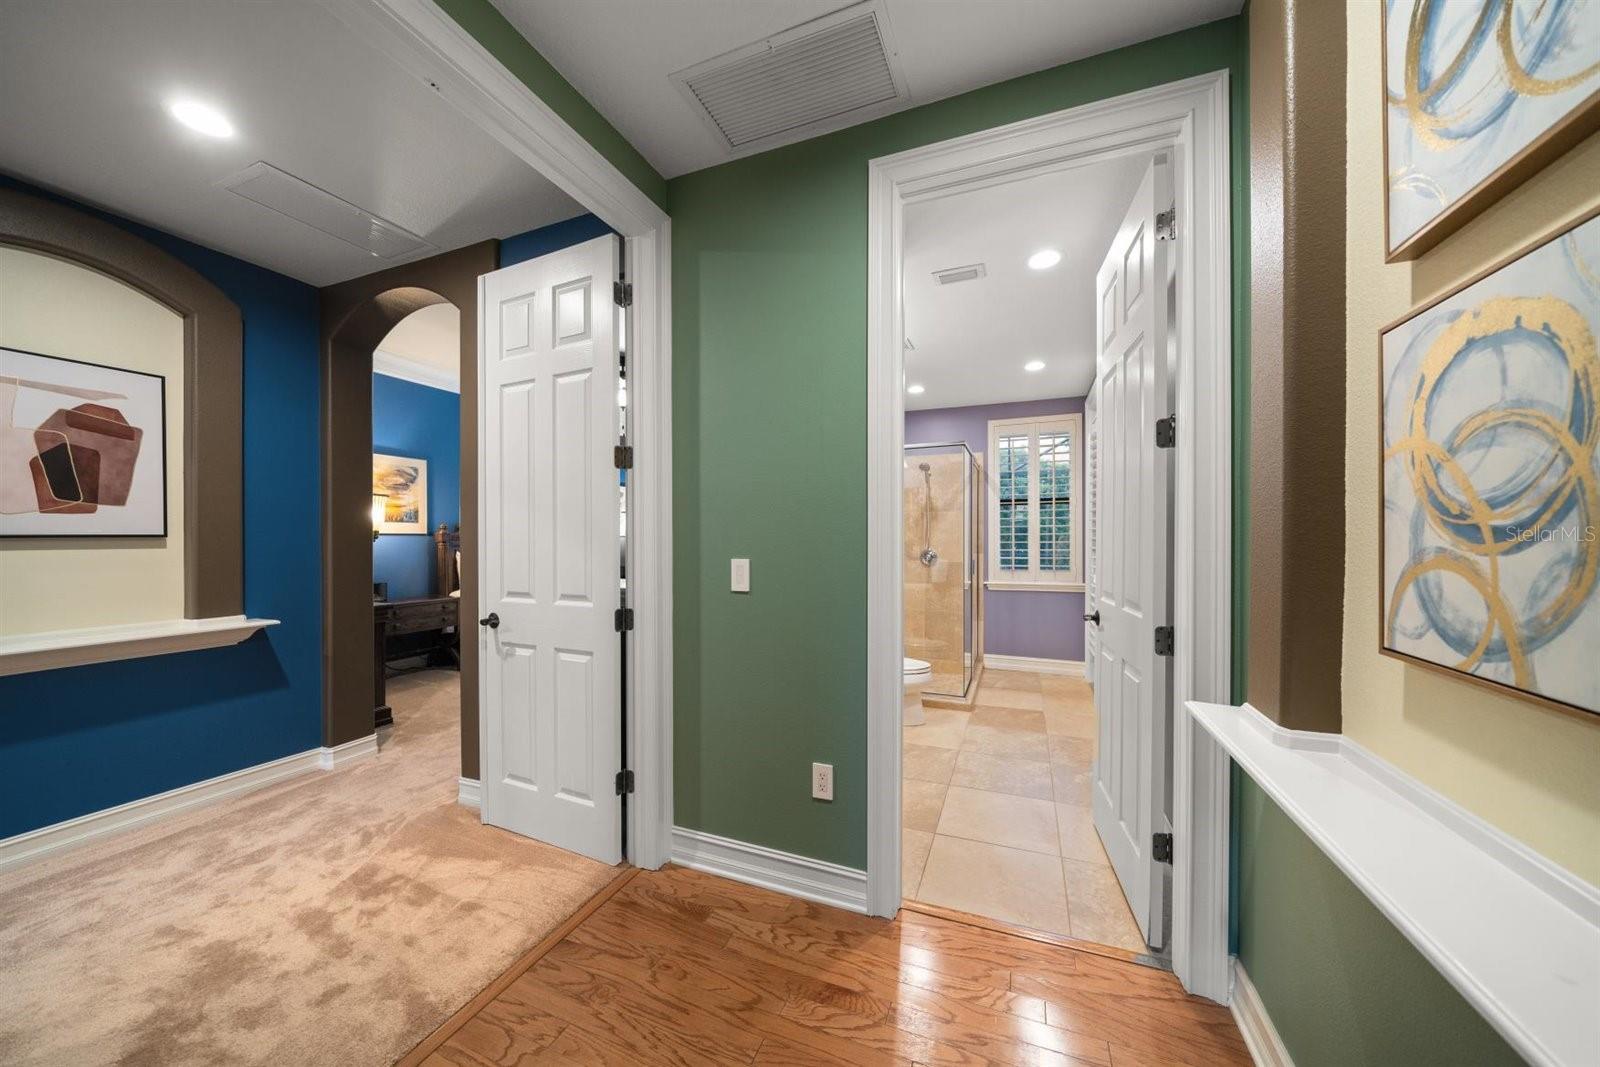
(490, 28)
(769, 416)
(1343, 986)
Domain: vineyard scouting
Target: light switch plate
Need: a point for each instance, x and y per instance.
(741, 576)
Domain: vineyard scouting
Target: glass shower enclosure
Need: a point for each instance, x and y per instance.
(941, 544)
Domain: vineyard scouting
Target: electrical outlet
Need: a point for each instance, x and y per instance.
(822, 781)
(741, 576)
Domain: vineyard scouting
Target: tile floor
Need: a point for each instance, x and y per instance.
(997, 817)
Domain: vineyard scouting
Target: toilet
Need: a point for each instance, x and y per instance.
(916, 674)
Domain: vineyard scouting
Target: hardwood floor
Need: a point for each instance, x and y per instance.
(679, 967)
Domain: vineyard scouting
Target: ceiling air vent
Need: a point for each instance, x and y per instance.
(304, 202)
(951, 275)
(823, 74)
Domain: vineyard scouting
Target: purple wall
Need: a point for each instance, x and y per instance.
(1042, 625)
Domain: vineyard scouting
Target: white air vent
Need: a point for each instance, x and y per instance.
(304, 202)
(821, 75)
(951, 275)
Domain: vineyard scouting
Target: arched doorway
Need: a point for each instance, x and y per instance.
(356, 316)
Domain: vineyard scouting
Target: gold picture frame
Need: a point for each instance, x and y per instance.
(1472, 518)
(1490, 30)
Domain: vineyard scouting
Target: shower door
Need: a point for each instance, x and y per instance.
(940, 575)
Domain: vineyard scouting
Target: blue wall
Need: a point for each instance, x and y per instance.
(80, 739)
(419, 422)
(551, 238)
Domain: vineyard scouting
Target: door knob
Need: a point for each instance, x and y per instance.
(492, 622)
(1094, 618)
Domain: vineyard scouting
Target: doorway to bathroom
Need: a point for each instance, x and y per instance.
(1038, 315)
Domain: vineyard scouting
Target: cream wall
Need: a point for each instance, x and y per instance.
(57, 308)
(1533, 772)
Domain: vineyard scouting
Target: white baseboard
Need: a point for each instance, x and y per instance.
(469, 791)
(1260, 1036)
(784, 872)
(329, 758)
(50, 840)
(1073, 667)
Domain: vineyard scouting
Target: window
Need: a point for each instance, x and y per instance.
(1035, 538)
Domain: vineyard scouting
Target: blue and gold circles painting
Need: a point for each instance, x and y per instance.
(1479, 94)
(1491, 476)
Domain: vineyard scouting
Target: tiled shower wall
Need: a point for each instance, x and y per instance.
(938, 614)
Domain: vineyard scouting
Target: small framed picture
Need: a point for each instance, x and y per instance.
(82, 449)
(400, 489)
(1478, 96)
(1489, 539)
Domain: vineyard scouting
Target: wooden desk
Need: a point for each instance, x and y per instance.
(435, 616)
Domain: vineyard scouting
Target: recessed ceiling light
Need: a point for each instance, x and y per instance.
(1044, 259)
(915, 390)
(202, 118)
(1033, 365)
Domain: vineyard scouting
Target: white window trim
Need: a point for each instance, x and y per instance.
(1062, 581)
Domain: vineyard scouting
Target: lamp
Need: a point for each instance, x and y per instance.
(379, 503)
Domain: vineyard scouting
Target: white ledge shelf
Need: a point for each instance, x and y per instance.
(1516, 935)
(100, 644)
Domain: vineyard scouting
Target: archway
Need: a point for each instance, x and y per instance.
(356, 316)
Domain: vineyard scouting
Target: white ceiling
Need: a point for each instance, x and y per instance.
(620, 53)
(83, 91)
(972, 338)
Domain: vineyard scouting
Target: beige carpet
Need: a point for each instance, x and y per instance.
(335, 919)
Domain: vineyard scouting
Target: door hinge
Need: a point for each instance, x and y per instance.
(622, 456)
(624, 783)
(1167, 225)
(624, 620)
(1163, 640)
(622, 294)
(1161, 848)
(1167, 432)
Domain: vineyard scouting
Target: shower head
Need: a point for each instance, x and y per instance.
(924, 468)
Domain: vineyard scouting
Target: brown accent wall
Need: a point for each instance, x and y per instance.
(356, 316)
(213, 368)
(1297, 378)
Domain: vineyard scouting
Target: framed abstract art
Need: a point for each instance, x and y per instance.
(1478, 95)
(82, 449)
(1490, 470)
(403, 482)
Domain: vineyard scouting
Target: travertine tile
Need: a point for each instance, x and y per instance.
(1000, 741)
(1008, 884)
(1075, 752)
(926, 763)
(1065, 687)
(920, 804)
(914, 846)
(944, 729)
(994, 697)
(1099, 912)
(1000, 819)
(1009, 718)
(1003, 774)
(1023, 681)
(1073, 785)
(1079, 839)
(1070, 722)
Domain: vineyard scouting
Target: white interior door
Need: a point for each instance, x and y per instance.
(551, 655)
(1091, 532)
(1132, 681)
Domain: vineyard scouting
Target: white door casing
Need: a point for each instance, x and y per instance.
(1131, 592)
(551, 669)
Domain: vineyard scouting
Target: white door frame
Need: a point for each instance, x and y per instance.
(430, 45)
(1190, 118)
